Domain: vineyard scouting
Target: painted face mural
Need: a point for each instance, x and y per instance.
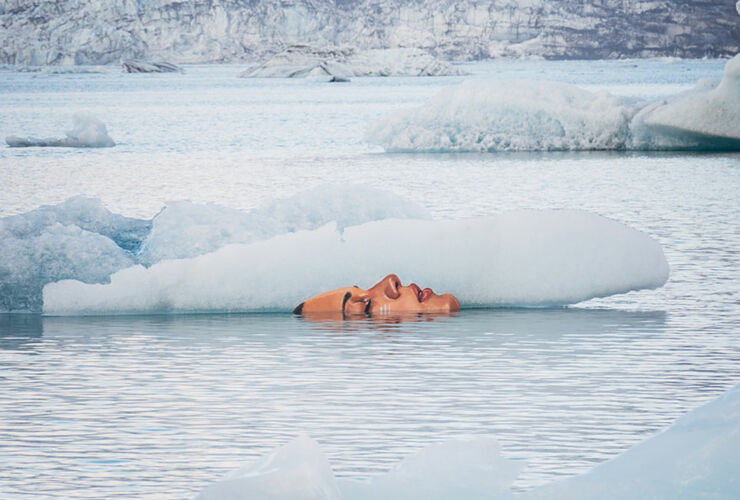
(388, 296)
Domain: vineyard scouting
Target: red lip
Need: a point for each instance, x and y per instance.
(417, 291)
(426, 293)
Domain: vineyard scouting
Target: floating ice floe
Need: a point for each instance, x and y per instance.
(130, 66)
(342, 63)
(507, 116)
(696, 457)
(81, 239)
(707, 117)
(493, 116)
(524, 258)
(87, 132)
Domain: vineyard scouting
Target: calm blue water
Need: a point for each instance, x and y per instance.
(159, 406)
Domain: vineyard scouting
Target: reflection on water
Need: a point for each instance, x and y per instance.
(134, 406)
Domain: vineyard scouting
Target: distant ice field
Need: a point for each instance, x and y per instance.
(161, 405)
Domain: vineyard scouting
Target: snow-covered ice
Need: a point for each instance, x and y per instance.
(87, 132)
(707, 117)
(507, 116)
(184, 229)
(57, 242)
(527, 258)
(488, 116)
(696, 457)
(213, 258)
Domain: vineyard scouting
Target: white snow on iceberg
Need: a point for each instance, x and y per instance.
(707, 117)
(529, 258)
(87, 132)
(507, 116)
(696, 457)
(80, 239)
(490, 116)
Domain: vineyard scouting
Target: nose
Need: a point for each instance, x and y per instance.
(390, 286)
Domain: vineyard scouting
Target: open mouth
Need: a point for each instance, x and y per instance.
(417, 290)
(421, 295)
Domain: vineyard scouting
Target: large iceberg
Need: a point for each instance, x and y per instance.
(301, 61)
(488, 116)
(87, 132)
(524, 258)
(696, 457)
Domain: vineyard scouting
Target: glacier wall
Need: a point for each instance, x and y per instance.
(38, 32)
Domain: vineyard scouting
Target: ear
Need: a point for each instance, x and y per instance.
(357, 303)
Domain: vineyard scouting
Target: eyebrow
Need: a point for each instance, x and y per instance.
(347, 296)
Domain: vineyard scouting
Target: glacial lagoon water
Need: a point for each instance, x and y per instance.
(159, 406)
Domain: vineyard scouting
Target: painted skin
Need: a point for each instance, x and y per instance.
(388, 296)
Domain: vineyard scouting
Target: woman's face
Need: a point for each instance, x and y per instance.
(388, 296)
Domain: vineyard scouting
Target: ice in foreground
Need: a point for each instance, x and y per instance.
(87, 132)
(696, 457)
(522, 258)
(485, 116)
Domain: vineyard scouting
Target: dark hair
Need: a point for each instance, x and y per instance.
(299, 308)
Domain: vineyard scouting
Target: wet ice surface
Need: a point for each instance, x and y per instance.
(162, 405)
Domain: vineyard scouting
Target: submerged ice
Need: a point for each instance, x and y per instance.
(696, 457)
(87, 132)
(549, 116)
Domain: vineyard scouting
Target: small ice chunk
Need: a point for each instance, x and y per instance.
(87, 132)
(298, 470)
(131, 66)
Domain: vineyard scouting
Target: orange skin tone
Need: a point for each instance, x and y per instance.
(388, 296)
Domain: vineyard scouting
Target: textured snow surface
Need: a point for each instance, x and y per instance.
(303, 61)
(549, 116)
(507, 116)
(81, 239)
(696, 457)
(517, 258)
(87, 132)
(706, 117)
